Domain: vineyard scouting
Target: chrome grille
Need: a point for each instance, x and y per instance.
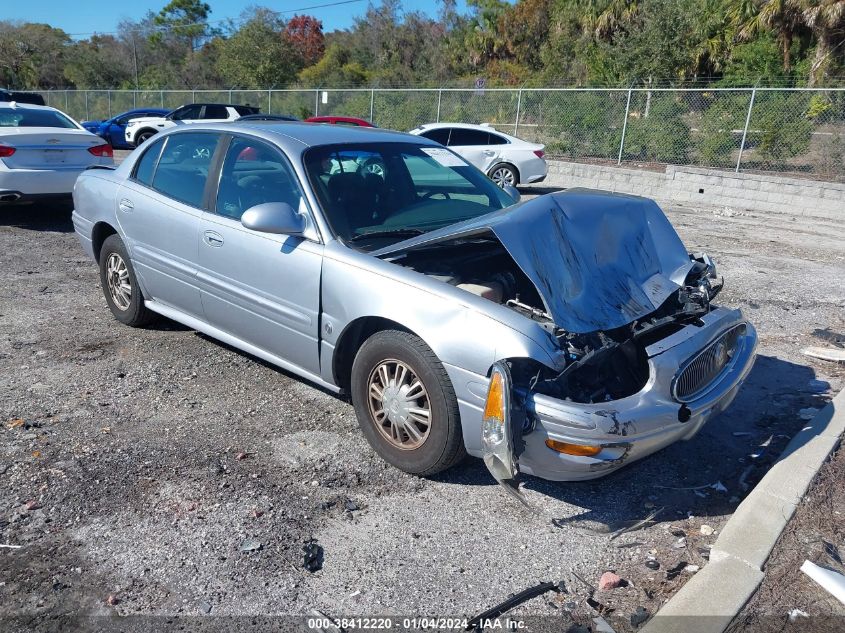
(699, 373)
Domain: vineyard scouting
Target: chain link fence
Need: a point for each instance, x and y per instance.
(793, 131)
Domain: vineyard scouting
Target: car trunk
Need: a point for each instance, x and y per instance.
(46, 148)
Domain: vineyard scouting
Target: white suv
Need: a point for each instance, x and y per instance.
(140, 129)
(504, 158)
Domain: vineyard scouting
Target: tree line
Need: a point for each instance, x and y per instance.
(525, 43)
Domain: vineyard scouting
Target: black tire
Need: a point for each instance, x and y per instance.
(504, 168)
(135, 314)
(144, 136)
(444, 445)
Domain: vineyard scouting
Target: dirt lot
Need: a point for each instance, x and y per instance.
(138, 465)
(816, 533)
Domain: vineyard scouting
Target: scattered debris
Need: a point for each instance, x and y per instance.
(313, 559)
(205, 607)
(652, 564)
(706, 530)
(602, 626)
(241, 456)
(825, 353)
(250, 545)
(691, 569)
(681, 543)
(7, 546)
(831, 581)
(609, 580)
(797, 613)
(323, 619)
(676, 570)
(36, 454)
(14, 423)
(514, 601)
(112, 600)
(649, 520)
(832, 551)
(639, 617)
(351, 506)
(584, 582)
(31, 505)
(744, 476)
(808, 414)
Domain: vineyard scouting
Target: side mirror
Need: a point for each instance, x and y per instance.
(274, 217)
(513, 192)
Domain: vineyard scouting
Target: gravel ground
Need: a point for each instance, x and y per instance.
(138, 465)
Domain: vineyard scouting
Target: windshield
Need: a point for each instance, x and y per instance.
(373, 194)
(25, 117)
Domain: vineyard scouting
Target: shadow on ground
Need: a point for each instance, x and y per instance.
(53, 216)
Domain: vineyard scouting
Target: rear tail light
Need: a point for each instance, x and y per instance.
(539, 153)
(103, 151)
(6, 151)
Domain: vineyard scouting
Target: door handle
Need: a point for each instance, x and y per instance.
(213, 238)
(125, 205)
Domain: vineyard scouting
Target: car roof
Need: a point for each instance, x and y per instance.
(311, 135)
(486, 127)
(20, 105)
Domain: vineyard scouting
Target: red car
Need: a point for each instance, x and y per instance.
(340, 120)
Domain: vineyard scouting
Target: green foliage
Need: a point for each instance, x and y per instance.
(782, 137)
(257, 55)
(719, 132)
(658, 132)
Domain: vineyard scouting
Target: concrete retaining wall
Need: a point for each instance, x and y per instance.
(757, 192)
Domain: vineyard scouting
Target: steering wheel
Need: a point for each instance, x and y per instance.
(431, 194)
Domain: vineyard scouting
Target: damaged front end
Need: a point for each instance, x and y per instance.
(640, 356)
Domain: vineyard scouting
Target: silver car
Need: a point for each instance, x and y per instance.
(563, 337)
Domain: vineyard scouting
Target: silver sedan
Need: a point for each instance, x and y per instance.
(563, 337)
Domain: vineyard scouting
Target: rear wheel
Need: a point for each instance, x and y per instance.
(504, 174)
(405, 404)
(144, 136)
(120, 286)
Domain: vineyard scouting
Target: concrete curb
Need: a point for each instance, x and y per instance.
(711, 599)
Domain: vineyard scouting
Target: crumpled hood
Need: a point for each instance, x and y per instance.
(599, 260)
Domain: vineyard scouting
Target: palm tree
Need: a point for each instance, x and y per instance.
(826, 19)
(785, 18)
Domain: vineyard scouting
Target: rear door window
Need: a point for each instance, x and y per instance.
(215, 112)
(440, 135)
(184, 165)
(463, 137)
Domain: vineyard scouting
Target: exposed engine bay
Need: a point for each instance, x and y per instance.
(601, 365)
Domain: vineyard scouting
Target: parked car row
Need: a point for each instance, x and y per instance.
(507, 160)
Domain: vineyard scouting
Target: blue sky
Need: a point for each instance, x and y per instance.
(103, 15)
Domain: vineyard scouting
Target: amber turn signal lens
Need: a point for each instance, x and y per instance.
(580, 450)
(495, 407)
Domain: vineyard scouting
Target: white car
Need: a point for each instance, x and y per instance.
(506, 159)
(42, 151)
(140, 129)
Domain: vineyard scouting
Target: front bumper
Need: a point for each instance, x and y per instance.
(639, 425)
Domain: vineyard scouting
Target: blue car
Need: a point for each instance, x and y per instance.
(113, 130)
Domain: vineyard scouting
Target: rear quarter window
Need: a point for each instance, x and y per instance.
(145, 167)
(183, 167)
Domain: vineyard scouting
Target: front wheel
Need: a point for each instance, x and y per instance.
(405, 404)
(120, 286)
(504, 174)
